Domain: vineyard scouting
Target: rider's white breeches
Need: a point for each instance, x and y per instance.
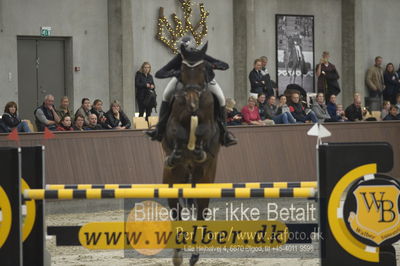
(213, 86)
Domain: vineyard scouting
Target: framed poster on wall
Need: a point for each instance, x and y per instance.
(295, 51)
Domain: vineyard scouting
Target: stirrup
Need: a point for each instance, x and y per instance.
(154, 134)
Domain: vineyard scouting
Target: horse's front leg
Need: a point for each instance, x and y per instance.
(175, 157)
(200, 155)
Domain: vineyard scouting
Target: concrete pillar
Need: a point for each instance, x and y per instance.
(240, 51)
(360, 62)
(120, 53)
(127, 59)
(348, 51)
(1, 16)
(115, 49)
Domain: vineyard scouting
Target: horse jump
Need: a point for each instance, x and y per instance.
(188, 193)
(196, 185)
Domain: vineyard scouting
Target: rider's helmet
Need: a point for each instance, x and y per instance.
(188, 43)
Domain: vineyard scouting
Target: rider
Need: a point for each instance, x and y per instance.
(172, 69)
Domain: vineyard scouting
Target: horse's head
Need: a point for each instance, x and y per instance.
(193, 77)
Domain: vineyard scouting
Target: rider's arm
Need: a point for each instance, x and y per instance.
(168, 69)
(216, 64)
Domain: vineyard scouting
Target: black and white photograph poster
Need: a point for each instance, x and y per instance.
(295, 51)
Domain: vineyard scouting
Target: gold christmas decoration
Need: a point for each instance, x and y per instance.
(170, 35)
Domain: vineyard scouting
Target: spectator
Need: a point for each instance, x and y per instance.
(327, 76)
(385, 109)
(65, 124)
(262, 108)
(374, 79)
(256, 79)
(11, 119)
(271, 112)
(332, 109)
(392, 84)
(234, 117)
(353, 112)
(145, 90)
(79, 122)
(93, 123)
(84, 110)
(340, 112)
(357, 95)
(398, 100)
(116, 118)
(251, 114)
(282, 106)
(261, 105)
(393, 114)
(97, 109)
(64, 108)
(270, 85)
(298, 112)
(46, 115)
(320, 109)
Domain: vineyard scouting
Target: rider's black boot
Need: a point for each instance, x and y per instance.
(227, 138)
(159, 131)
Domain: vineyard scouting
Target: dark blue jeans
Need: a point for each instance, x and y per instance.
(285, 118)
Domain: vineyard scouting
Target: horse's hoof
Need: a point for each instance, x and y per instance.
(200, 157)
(168, 163)
(194, 259)
(177, 258)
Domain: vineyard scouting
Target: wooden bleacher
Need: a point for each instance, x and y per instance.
(275, 153)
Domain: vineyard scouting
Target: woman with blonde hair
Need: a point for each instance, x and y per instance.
(116, 118)
(251, 114)
(145, 90)
(234, 117)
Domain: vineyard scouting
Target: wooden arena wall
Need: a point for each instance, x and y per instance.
(264, 154)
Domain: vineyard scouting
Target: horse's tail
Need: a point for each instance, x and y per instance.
(194, 121)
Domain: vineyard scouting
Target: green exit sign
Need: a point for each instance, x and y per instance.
(45, 31)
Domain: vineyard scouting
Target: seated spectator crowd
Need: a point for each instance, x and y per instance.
(87, 117)
(289, 108)
(265, 110)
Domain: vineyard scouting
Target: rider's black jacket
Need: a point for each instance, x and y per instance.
(173, 68)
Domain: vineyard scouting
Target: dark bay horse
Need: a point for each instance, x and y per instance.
(191, 142)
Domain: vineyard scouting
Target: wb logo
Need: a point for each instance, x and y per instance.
(377, 215)
(383, 206)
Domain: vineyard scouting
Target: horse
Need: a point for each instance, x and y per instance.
(294, 58)
(191, 142)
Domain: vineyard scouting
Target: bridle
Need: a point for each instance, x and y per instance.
(197, 88)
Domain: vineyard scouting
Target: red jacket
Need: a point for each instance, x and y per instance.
(61, 128)
(250, 115)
